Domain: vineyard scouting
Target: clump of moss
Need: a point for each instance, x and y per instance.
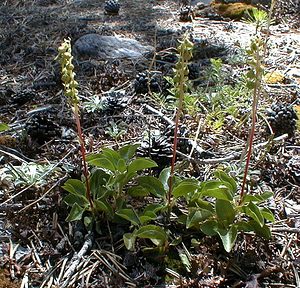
(232, 10)
(274, 77)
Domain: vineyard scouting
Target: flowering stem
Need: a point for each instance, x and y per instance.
(70, 86)
(180, 85)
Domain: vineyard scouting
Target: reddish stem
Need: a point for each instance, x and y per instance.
(251, 139)
(83, 154)
(174, 155)
(252, 132)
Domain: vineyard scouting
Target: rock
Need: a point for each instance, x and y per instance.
(110, 47)
(200, 2)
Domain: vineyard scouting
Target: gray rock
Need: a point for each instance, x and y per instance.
(110, 47)
(200, 2)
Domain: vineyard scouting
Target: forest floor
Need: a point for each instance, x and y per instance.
(40, 151)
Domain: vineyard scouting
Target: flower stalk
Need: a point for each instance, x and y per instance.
(70, 87)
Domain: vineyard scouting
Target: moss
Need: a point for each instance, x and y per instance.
(5, 281)
(297, 110)
(8, 141)
(274, 78)
(232, 10)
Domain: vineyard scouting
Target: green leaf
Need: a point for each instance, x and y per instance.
(185, 187)
(216, 189)
(209, 227)
(176, 241)
(250, 84)
(119, 180)
(155, 233)
(226, 178)
(138, 191)
(128, 151)
(253, 211)
(75, 213)
(71, 199)
(101, 161)
(266, 195)
(205, 205)
(257, 198)
(121, 165)
(195, 216)
(108, 159)
(225, 211)
(181, 219)
(228, 237)
(111, 154)
(75, 187)
(88, 222)
(148, 216)
(251, 198)
(250, 74)
(3, 127)
(141, 164)
(164, 177)
(153, 208)
(152, 185)
(185, 261)
(244, 226)
(267, 214)
(98, 181)
(130, 215)
(129, 241)
(102, 205)
(263, 231)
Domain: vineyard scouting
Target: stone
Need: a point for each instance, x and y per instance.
(110, 47)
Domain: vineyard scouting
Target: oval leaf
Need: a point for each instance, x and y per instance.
(195, 216)
(130, 215)
(100, 161)
(148, 216)
(75, 187)
(75, 213)
(209, 227)
(153, 208)
(164, 177)
(185, 187)
(267, 214)
(71, 199)
(253, 211)
(104, 206)
(266, 195)
(263, 231)
(138, 191)
(226, 178)
(152, 185)
(217, 190)
(228, 237)
(205, 205)
(129, 241)
(98, 180)
(141, 164)
(251, 198)
(3, 127)
(155, 233)
(225, 211)
(128, 151)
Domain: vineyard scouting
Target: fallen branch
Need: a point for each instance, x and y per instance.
(211, 160)
(77, 258)
(285, 229)
(160, 114)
